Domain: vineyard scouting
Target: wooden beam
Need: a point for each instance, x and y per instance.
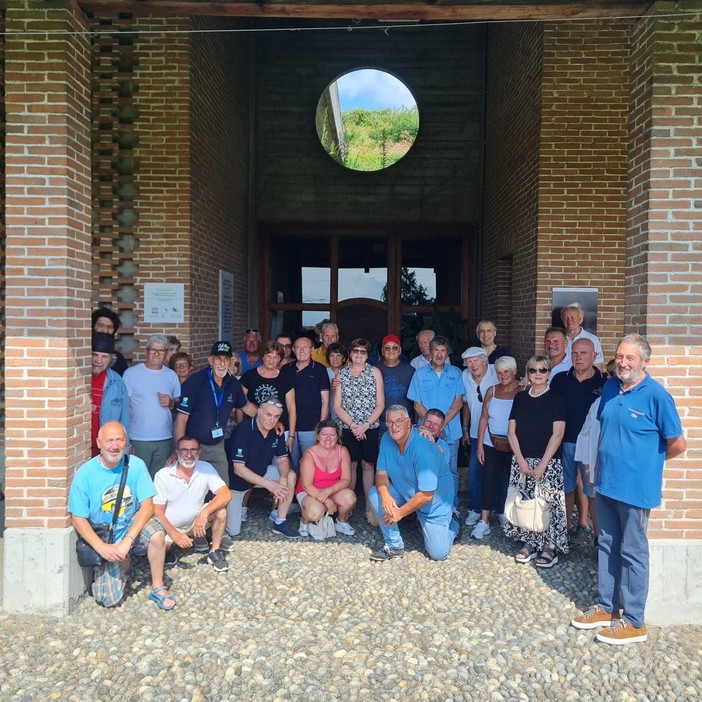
(419, 10)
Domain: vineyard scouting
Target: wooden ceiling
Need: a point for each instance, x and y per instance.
(435, 10)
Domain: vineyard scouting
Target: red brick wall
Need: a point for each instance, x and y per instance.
(219, 117)
(664, 255)
(48, 260)
(512, 124)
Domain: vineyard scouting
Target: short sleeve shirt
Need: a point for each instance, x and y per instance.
(248, 446)
(260, 389)
(579, 396)
(535, 417)
(309, 383)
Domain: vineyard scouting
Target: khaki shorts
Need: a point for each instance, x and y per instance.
(186, 529)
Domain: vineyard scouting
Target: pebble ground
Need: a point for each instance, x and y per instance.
(300, 620)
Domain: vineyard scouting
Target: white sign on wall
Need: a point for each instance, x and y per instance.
(164, 302)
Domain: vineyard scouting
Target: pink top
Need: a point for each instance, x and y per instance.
(321, 479)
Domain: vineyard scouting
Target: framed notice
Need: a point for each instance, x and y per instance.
(226, 306)
(587, 297)
(164, 302)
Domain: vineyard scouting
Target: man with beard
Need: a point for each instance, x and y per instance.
(180, 505)
(640, 429)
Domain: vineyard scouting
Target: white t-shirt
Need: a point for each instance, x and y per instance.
(183, 499)
(475, 402)
(148, 420)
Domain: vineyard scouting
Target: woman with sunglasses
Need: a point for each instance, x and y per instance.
(359, 402)
(535, 431)
(325, 476)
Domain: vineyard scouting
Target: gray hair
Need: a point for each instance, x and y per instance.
(330, 325)
(440, 341)
(640, 341)
(506, 363)
(573, 306)
(157, 339)
(397, 408)
(427, 331)
(485, 321)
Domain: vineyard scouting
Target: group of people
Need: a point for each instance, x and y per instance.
(307, 417)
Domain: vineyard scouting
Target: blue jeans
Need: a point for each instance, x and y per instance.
(302, 441)
(622, 558)
(570, 467)
(475, 477)
(438, 538)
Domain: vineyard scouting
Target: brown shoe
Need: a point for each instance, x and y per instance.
(594, 617)
(622, 633)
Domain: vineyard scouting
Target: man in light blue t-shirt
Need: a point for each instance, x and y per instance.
(411, 476)
(640, 430)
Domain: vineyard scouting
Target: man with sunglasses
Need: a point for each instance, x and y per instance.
(180, 504)
(478, 376)
(152, 389)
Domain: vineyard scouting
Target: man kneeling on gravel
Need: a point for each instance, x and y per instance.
(180, 505)
(91, 501)
(411, 476)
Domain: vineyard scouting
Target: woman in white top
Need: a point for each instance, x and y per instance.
(493, 450)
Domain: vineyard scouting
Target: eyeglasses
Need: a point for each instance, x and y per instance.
(275, 403)
(395, 423)
(251, 331)
(286, 346)
(187, 451)
(480, 395)
(363, 351)
(102, 325)
(391, 348)
(181, 366)
(531, 371)
(157, 352)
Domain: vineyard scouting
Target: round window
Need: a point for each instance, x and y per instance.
(367, 119)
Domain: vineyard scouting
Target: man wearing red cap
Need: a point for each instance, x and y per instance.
(396, 373)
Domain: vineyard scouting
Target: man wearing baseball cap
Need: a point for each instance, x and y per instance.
(207, 399)
(397, 375)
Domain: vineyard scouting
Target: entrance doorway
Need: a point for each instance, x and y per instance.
(369, 280)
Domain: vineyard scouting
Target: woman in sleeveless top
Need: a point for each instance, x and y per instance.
(325, 476)
(359, 402)
(493, 450)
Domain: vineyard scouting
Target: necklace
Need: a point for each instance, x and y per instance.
(538, 394)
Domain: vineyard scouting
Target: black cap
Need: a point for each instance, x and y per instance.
(103, 343)
(222, 348)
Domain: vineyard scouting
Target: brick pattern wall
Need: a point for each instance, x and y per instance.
(220, 163)
(2, 221)
(512, 123)
(664, 274)
(48, 260)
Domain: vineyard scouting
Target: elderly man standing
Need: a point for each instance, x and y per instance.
(152, 390)
(640, 429)
(579, 387)
(180, 504)
(311, 382)
(253, 446)
(572, 316)
(423, 359)
(477, 377)
(108, 393)
(397, 374)
(411, 476)
(440, 385)
(555, 345)
(250, 355)
(330, 335)
(91, 501)
(486, 331)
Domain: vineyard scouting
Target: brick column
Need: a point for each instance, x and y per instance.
(664, 284)
(48, 298)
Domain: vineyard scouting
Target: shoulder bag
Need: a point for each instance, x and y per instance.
(530, 513)
(88, 557)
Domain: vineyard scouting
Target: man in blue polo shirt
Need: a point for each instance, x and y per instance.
(252, 447)
(207, 399)
(411, 476)
(640, 429)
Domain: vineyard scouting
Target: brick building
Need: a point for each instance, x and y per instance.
(150, 146)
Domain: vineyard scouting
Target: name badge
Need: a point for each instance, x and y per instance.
(217, 433)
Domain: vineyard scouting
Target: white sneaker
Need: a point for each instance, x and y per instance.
(472, 518)
(244, 514)
(273, 515)
(303, 529)
(344, 528)
(479, 530)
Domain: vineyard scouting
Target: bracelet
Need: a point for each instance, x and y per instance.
(129, 536)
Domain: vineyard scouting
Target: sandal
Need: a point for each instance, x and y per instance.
(525, 554)
(157, 595)
(547, 558)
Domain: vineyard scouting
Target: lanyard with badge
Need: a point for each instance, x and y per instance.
(217, 432)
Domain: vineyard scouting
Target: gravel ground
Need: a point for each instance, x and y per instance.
(295, 620)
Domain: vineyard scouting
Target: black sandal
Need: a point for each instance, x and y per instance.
(547, 558)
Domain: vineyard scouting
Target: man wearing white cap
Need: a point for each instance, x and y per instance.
(478, 376)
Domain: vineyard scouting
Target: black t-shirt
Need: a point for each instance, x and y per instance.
(248, 446)
(309, 384)
(578, 396)
(535, 417)
(260, 389)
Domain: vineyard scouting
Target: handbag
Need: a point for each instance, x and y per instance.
(88, 557)
(530, 513)
(323, 529)
(499, 442)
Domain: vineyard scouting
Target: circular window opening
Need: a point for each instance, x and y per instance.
(367, 119)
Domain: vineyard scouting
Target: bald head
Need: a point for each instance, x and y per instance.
(583, 355)
(112, 442)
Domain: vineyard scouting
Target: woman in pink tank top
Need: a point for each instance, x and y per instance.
(325, 476)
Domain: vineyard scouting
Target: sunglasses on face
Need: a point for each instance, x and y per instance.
(542, 371)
